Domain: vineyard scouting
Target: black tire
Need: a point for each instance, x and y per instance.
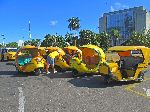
(58, 68)
(19, 72)
(37, 72)
(106, 79)
(141, 77)
(2, 58)
(8, 59)
(74, 73)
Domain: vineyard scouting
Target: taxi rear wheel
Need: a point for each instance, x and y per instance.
(74, 73)
(58, 68)
(107, 79)
(141, 77)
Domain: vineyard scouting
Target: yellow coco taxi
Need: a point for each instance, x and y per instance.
(7, 54)
(11, 52)
(28, 59)
(62, 62)
(125, 63)
(59, 64)
(71, 52)
(92, 57)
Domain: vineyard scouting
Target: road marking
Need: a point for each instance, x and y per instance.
(147, 91)
(131, 86)
(21, 100)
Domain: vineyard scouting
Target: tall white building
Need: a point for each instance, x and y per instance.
(126, 21)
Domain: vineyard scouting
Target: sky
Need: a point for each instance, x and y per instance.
(50, 16)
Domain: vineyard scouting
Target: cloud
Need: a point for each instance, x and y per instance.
(118, 6)
(53, 22)
(112, 9)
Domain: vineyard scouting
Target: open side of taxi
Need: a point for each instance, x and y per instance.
(125, 63)
(92, 57)
(28, 59)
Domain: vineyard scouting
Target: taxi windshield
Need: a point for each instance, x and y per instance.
(12, 50)
(30, 52)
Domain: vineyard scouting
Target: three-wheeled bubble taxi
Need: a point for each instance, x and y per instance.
(62, 62)
(28, 59)
(125, 63)
(7, 54)
(70, 52)
(11, 52)
(59, 62)
(92, 57)
(42, 51)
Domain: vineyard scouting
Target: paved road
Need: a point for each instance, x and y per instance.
(62, 93)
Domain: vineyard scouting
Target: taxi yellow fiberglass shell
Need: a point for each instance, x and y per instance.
(28, 59)
(7, 54)
(92, 57)
(125, 63)
(62, 62)
(11, 52)
(59, 63)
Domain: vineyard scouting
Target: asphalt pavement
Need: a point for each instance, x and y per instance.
(61, 92)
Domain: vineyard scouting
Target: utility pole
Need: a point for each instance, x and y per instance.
(29, 30)
(3, 38)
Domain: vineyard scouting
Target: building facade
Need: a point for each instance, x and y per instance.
(125, 21)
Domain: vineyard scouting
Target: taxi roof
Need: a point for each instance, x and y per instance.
(96, 48)
(126, 48)
(52, 48)
(90, 46)
(71, 47)
(28, 47)
(55, 49)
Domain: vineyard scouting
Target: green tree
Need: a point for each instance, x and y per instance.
(104, 40)
(114, 33)
(147, 37)
(33, 42)
(53, 40)
(138, 39)
(87, 37)
(60, 41)
(12, 44)
(69, 38)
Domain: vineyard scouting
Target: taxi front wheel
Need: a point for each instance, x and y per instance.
(37, 71)
(106, 79)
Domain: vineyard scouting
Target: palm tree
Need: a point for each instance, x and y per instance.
(74, 24)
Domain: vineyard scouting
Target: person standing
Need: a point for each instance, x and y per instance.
(51, 61)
